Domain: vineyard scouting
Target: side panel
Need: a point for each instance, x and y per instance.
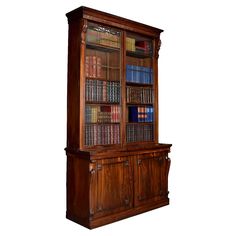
(77, 185)
(73, 85)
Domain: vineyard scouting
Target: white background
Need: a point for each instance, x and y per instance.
(197, 115)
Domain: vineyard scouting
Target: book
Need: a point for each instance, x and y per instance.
(140, 114)
(102, 91)
(102, 113)
(96, 36)
(102, 134)
(133, 113)
(143, 46)
(139, 74)
(139, 133)
(130, 44)
(139, 95)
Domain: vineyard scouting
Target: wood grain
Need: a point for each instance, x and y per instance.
(107, 183)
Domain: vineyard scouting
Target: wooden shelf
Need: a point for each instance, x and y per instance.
(102, 123)
(138, 54)
(101, 47)
(138, 84)
(102, 103)
(108, 67)
(139, 123)
(138, 104)
(102, 78)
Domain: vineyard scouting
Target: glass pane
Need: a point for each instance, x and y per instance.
(139, 89)
(102, 86)
(104, 36)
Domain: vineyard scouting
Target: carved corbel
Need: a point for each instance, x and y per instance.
(83, 30)
(167, 166)
(158, 46)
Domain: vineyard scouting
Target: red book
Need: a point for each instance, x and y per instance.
(94, 66)
(99, 67)
(87, 66)
(90, 66)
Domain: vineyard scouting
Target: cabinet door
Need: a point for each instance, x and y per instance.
(151, 175)
(111, 186)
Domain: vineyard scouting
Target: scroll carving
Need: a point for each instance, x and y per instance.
(92, 191)
(158, 46)
(168, 161)
(84, 27)
(168, 166)
(92, 168)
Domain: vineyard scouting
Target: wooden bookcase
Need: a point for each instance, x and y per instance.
(116, 166)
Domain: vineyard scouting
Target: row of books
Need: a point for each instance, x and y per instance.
(139, 133)
(139, 95)
(130, 44)
(102, 114)
(139, 74)
(93, 66)
(102, 91)
(138, 46)
(103, 38)
(102, 134)
(140, 114)
(143, 46)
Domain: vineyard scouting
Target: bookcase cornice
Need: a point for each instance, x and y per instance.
(112, 20)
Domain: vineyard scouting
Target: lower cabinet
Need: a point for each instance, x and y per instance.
(101, 190)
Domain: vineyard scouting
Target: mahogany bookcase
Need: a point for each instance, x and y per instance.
(116, 167)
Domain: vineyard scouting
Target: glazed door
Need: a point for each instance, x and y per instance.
(151, 174)
(111, 186)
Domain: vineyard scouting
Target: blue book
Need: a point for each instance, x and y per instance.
(151, 114)
(134, 71)
(133, 114)
(145, 114)
(128, 73)
(148, 114)
(146, 75)
(151, 76)
(138, 74)
(142, 78)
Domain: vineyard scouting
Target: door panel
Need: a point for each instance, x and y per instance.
(111, 186)
(151, 176)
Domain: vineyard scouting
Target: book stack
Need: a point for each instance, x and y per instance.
(139, 74)
(102, 134)
(91, 114)
(143, 46)
(110, 39)
(139, 95)
(139, 133)
(102, 91)
(130, 44)
(93, 66)
(138, 46)
(140, 114)
(102, 114)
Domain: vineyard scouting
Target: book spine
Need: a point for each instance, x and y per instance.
(99, 66)
(87, 66)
